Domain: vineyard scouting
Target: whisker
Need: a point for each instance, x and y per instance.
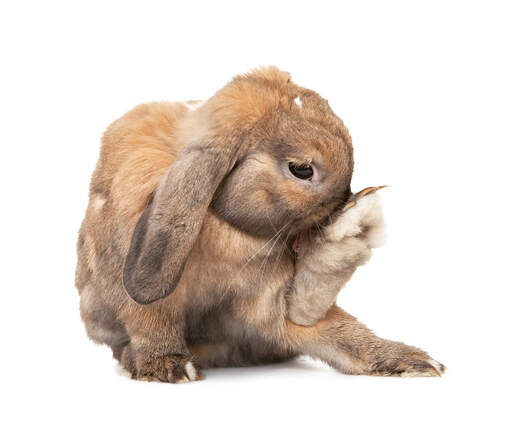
(261, 248)
(285, 243)
(283, 247)
(320, 232)
(270, 222)
(265, 260)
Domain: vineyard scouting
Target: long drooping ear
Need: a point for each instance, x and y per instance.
(168, 228)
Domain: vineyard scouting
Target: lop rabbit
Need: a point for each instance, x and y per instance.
(219, 234)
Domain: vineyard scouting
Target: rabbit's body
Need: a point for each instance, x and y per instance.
(193, 215)
(231, 320)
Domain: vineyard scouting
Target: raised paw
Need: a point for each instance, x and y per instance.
(366, 191)
(172, 368)
(361, 217)
(400, 360)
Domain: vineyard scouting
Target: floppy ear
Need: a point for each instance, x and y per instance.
(168, 228)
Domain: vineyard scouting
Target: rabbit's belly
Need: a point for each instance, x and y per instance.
(246, 353)
(239, 332)
(240, 325)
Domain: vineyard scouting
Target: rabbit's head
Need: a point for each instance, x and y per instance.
(296, 159)
(265, 154)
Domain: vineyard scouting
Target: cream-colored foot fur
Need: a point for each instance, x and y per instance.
(327, 262)
(363, 217)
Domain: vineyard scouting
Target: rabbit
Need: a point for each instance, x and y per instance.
(201, 246)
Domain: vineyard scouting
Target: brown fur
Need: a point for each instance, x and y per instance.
(192, 214)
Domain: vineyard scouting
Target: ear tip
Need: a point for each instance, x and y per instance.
(142, 296)
(145, 292)
(141, 299)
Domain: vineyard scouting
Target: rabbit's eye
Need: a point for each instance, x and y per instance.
(301, 171)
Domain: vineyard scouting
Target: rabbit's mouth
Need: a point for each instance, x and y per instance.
(299, 240)
(318, 221)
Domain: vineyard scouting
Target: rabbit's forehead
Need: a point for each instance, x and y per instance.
(266, 107)
(268, 96)
(315, 137)
(295, 115)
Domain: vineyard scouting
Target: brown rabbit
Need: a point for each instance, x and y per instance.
(208, 226)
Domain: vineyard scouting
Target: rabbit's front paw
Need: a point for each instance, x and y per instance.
(172, 368)
(360, 218)
(397, 359)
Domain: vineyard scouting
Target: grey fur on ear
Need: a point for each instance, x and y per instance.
(169, 226)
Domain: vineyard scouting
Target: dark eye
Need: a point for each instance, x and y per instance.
(301, 171)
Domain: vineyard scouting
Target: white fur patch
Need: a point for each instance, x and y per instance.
(98, 202)
(367, 214)
(407, 374)
(298, 101)
(191, 371)
(87, 297)
(194, 105)
(436, 365)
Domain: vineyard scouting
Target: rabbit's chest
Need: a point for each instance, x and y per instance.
(251, 272)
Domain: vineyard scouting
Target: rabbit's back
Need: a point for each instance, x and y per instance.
(136, 151)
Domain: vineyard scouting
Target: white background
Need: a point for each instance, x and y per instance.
(425, 89)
